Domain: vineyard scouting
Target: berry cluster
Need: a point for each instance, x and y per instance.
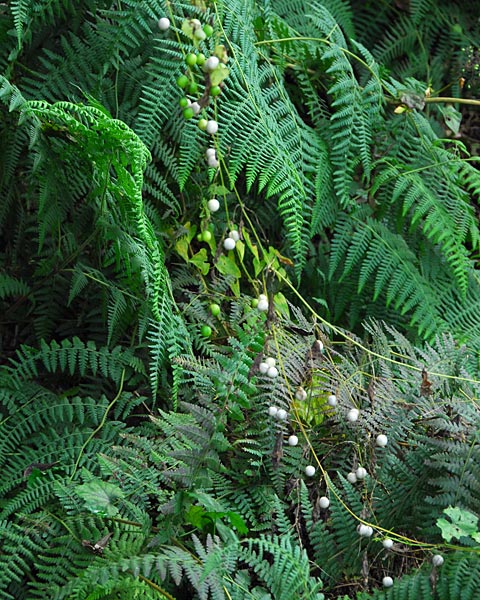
(231, 240)
(262, 303)
(267, 367)
(278, 413)
(204, 76)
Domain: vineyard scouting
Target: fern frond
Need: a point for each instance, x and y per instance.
(388, 260)
(283, 566)
(70, 356)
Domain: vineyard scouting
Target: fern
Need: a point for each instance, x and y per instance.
(288, 574)
(70, 356)
(393, 265)
(140, 453)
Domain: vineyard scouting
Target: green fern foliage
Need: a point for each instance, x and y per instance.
(239, 300)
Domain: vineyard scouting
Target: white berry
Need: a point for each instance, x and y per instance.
(324, 502)
(200, 34)
(387, 581)
(387, 543)
(437, 560)
(262, 305)
(382, 440)
(195, 106)
(272, 372)
(163, 24)
(234, 235)
(319, 345)
(213, 205)
(212, 162)
(272, 411)
(211, 63)
(271, 362)
(352, 415)
(301, 394)
(229, 244)
(361, 473)
(309, 471)
(332, 400)
(365, 530)
(263, 368)
(282, 414)
(210, 152)
(293, 440)
(212, 127)
(352, 478)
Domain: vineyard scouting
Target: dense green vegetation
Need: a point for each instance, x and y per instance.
(240, 299)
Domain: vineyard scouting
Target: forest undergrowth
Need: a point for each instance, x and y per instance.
(239, 296)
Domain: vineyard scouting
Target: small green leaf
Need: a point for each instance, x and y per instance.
(237, 522)
(235, 413)
(200, 261)
(187, 28)
(252, 247)
(281, 304)
(196, 516)
(181, 246)
(235, 287)
(452, 118)
(240, 248)
(258, 266)
(218, 190)
(220, 73)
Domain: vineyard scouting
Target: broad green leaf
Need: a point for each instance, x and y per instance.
(99, 497)
(226, 265)
(462, 523)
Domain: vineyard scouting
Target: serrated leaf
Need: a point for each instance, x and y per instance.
(238, 523)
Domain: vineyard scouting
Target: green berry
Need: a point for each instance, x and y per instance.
(201, 58)
(206, 331)
(182, 81)
(255, 303)
(215, 309)
(215, 90)
(202, 124)
(199, 237)
(206, 235)
(191, 59)
(183, 102)
(208, 29)
(193, 87)
(188, 113)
